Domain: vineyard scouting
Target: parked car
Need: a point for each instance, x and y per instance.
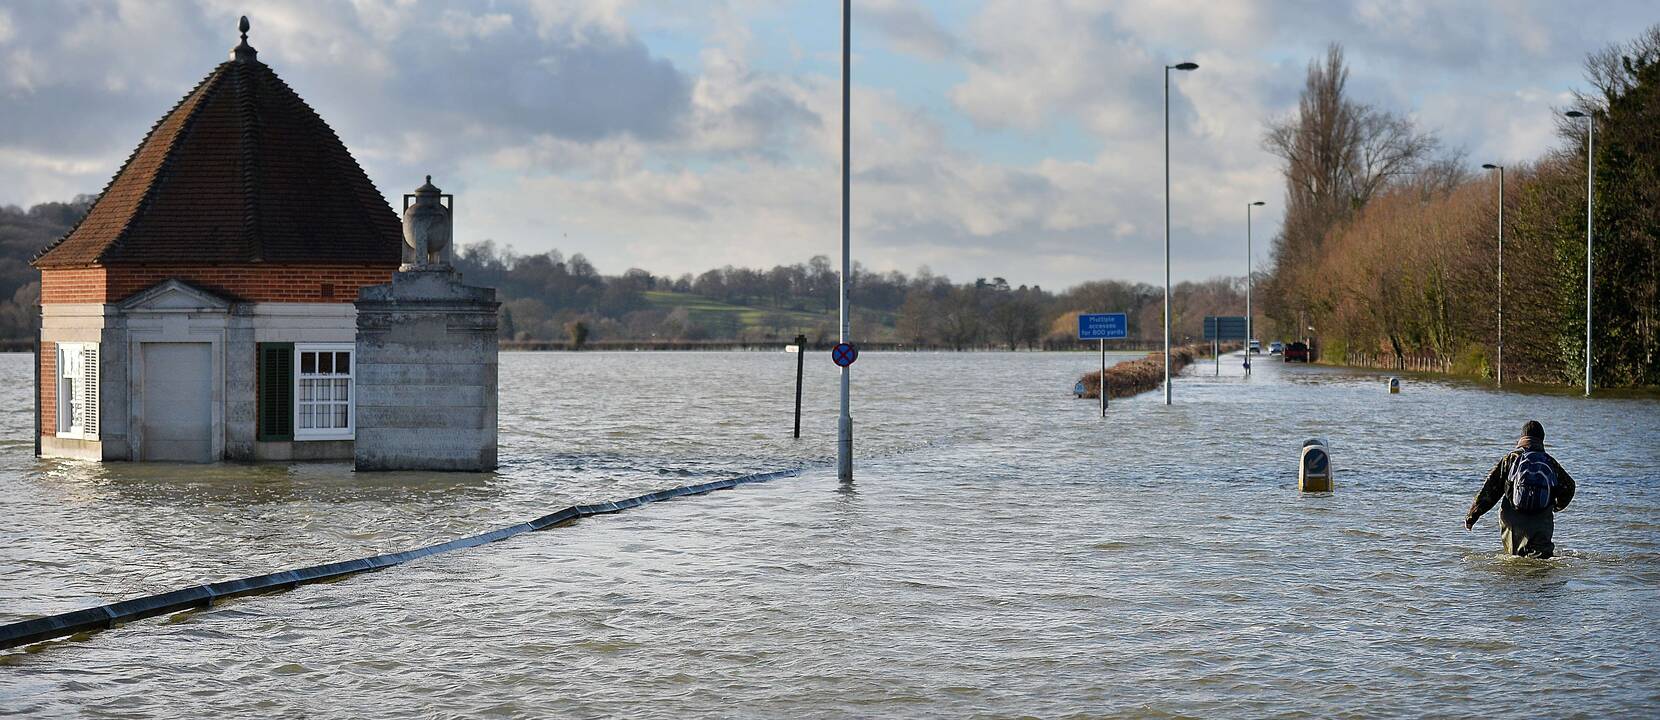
(1276, 347)
(1256, 346)
(1295, 352)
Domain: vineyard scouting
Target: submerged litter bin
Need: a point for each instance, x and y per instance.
(1394, 386)
(1314, 467)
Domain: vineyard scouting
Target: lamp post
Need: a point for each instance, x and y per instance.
(844, 422)
(1167, 69)
(1250, 329)
(1500, 168)
(1590, 199)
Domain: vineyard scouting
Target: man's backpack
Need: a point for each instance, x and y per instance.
(1531, 480)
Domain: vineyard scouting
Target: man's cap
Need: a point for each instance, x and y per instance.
(1533, 429)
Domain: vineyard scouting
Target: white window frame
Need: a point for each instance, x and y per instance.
(77, 361)
(350, 431)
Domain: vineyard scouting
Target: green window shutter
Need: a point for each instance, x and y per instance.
(276, 391)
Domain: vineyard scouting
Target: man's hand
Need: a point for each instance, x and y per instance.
(1469, 522)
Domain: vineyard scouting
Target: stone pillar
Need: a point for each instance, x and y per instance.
(241, 385)
(426, 360)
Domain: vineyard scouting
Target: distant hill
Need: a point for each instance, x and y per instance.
(22, 234)
(548, 298)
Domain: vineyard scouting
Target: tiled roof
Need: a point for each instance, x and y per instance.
(241, 171)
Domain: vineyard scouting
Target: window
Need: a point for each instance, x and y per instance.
(276, 392)
(323, 392)
(78, 391)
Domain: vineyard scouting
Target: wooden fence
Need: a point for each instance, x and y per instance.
(1416, 362)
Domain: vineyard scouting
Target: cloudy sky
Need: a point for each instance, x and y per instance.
(1017, 138)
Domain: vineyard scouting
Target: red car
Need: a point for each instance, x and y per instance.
(1295, 352)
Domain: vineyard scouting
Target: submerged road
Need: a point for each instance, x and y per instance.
(1004, 551)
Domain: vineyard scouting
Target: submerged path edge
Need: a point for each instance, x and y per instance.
(107, 616)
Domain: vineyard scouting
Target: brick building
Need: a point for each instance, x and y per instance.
(203, 310)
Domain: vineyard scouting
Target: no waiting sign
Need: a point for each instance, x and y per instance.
(844, 354)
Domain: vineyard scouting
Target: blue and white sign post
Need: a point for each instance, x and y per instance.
(1103, 327)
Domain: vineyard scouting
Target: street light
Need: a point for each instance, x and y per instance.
(1590, 167)
(844, 421)
(1500, 168)
(1250, 331)
(1167, 69)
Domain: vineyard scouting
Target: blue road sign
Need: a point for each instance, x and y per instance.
(1103, 326)
(844, 354)
(1226, 327)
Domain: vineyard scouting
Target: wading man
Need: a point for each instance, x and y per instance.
(1529, 487)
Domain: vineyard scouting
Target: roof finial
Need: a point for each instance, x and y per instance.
(244, 51)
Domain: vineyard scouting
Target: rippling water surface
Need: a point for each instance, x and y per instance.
(1005, 551)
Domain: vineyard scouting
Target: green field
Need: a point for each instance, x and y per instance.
(724, 319)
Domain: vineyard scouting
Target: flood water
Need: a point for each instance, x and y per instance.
(1005, 551)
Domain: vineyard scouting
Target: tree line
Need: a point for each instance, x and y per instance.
(1391, 241)
(548, 297)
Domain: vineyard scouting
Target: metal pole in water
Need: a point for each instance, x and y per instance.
(1167, 234)
(1167, 69)
(1103, 383)
(800, 363)
(1590, 199)
(1250, 318)
(844, 423)
(1216, 352)
(1500, 168)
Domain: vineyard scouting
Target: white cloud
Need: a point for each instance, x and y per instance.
(580, 20)
(564, 123)
(909, 27)
(461, 25)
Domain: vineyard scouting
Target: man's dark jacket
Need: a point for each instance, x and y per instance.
(1497, 488)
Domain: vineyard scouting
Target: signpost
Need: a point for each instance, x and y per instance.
(1225, 327)
(844, 423)
(800, 359)
(1103, 327)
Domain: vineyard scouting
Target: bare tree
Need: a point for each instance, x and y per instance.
(915, 322)
(960, 318)
(1389, 147)
(1339, 154)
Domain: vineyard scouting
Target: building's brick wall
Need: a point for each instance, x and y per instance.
(78, 285)
(49, 389)
(283, 283)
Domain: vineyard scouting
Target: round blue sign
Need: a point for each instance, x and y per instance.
(844, 354)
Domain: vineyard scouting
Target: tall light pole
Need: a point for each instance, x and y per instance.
(1501, 277)
(1250, 330)
(844, 423)
(1590, 199)
(1167, 69)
